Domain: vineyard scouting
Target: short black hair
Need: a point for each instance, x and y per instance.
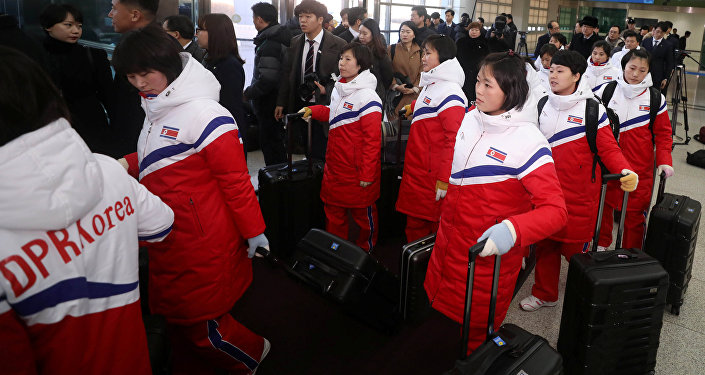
(669, 23)
(344, 11)
(267, 11)
(355, 14)
(452, 12)
(444, 45)
(481, 19)
(560, 38)
(57, 13)
(148, 48)
(687, 33)
(663, 25)
(362, 54)
(435, 15)
(602, 44)
(146, 6)
(571, 60)
(464, 15)
(630, 21)
(509, 16)
(549, 25)
(182, 24)
(617, 26)
(313, 7)
(549, 49)
(421, 11)
(509, 71)
(40, 104)
(640, 53)
(645, 27)
(630, 34)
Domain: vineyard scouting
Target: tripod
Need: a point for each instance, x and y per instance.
(680, 94)
(522, 49)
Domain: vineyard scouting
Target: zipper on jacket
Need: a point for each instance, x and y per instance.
(195, 215)
(146, 141)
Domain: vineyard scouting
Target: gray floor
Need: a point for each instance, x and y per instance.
(682, 348)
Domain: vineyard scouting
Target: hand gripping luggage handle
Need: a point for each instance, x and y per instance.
(289, 143)
(474, 251)
(603, 194)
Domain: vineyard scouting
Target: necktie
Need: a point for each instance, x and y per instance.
(308, 66)
(656, 43)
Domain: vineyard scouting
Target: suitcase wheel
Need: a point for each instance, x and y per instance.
(676, 309)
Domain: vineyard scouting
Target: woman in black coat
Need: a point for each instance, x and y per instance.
(470, 53)
(82, 75)
(371, 37)
(216, 35)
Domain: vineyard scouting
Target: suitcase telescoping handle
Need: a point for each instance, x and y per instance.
(603, 195)
(661, 186)
(402, 117)
(290, 141)
(474, 252)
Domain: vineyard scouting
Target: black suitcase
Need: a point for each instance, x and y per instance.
(289, 197)
(391, 222)
(344, 272)
(671, 237)
(511, 350)
(413, 301)
(613, 308)
(394, 139)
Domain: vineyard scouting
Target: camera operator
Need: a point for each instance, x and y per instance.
(311, 59)
(461, 29)
(499, 36)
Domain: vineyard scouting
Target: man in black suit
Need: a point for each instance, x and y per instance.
(448, 27)
(314, 52)
(418, 17)
(551, 27)
(662, 59)
(582, 43)
(355, 17)
(182, 29)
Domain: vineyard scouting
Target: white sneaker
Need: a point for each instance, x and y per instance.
(265, 351)
(532, 303)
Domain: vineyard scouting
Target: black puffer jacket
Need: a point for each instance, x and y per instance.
(471, 51)
(270, 48)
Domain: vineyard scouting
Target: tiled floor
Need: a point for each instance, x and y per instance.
(682, 348)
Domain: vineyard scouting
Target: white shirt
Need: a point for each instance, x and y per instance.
(656, 42)
(187, 44)
(316, 45)
(354, 33)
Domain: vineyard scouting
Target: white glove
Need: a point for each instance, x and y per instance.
(500, 238)
(255, 242)
(124, 164)
(665, 168)
(441, 190)
(440, 194)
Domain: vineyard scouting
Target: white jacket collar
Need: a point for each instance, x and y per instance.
(49, 180)
(195, 82)
(631, 91)
(597, 70)
(563, 102)
(364, 80)
(449, 71)
(528, 115)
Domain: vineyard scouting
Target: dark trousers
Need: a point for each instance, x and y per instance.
(271, 131)
(319, 137)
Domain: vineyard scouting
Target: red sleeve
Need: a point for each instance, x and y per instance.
(413, 105)
(451, 118)
(320, 112)
(549, 214)
(134, 167)
(663, 139)
(16, 354)
(609, 152)
(226, 161)
(371, 146)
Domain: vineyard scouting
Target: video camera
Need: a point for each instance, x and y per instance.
(308, 86)
(680, 52)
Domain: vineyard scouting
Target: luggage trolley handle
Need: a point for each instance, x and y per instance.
(402, 117)
(661, 186)
(603, 195)
(474, 251)
(289, 144)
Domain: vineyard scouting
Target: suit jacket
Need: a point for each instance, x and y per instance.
(197, 52)
(662, 60)
(543, 39)
(346, 36)
(326, 63)
(447, 30)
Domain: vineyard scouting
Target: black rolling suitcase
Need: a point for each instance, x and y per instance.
(392, 222)
(511, 350)
(289, 197)
(613, 308)
(671, 238)
(413, 301)
(344, 272)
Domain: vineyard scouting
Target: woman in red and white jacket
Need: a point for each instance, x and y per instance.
(563, 123)
(503, 187)
(631, 102)
(352, 171)
(438, 112)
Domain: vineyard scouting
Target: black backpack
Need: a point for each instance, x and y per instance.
(654, 105)
(592, 111)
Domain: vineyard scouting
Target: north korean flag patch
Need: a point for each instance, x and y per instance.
(644, 108)
(575, 120)
(427, 100)
(348, 106)
(168, 132)
(607, 78)
(497, 155)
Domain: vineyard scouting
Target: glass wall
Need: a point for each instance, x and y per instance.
(393, 12)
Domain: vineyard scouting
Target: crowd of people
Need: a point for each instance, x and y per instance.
(501, 148)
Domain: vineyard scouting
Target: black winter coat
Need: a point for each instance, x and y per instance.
(471, 51)
(84, 78)
(270, 49)
(231, 76)
(583, 46)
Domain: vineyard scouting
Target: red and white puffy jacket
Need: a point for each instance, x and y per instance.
(438, 112)
(502, 169)
(189, 154)
(632, 104)
(596, 75)
(354, 142)
(69, 296)
(562, 122)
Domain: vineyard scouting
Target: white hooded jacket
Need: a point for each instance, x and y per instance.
(597, 75)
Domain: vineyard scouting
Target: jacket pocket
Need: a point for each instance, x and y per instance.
(196, 219)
